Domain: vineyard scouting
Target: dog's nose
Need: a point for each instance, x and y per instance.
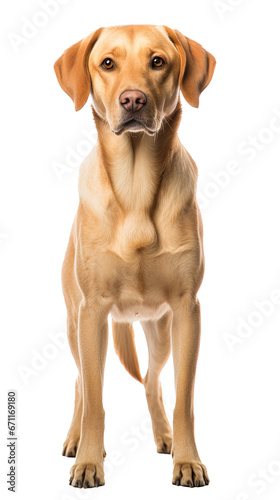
(133, 100)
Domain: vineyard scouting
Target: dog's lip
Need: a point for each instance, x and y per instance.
(133, 121)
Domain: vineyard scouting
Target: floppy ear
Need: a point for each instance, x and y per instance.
(197, 66)
(72, 70)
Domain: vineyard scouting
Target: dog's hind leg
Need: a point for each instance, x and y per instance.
(72, 296)
(72, 440)
(158, 339)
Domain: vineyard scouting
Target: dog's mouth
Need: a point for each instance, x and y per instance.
(134, 125)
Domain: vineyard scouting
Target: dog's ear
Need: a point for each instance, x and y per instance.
(197, 66)
(72, 70)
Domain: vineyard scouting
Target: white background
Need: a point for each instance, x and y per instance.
(237, 390)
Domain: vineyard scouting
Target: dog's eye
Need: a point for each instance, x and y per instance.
(158, 62)
(107, 63)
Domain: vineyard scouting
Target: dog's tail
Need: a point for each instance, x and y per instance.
(125, 348)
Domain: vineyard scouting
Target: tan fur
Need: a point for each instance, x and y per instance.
(135, 249)
(125, 348)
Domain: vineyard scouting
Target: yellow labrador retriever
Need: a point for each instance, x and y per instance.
(135, 249)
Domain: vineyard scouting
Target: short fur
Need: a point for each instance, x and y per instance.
(135, 249)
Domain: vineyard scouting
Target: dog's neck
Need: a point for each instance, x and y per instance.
(135, 162)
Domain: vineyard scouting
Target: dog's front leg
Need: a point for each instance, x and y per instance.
(93, 338)
(188, 469)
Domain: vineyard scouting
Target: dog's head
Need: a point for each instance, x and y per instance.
(134, 74)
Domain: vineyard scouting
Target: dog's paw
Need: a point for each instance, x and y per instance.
(191, 474)
(70, 447)
(164, 443)
(87, 475)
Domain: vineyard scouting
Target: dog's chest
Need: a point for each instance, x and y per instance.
(139, 233)
(136, 231)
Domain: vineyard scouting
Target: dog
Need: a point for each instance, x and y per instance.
(136, 245)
